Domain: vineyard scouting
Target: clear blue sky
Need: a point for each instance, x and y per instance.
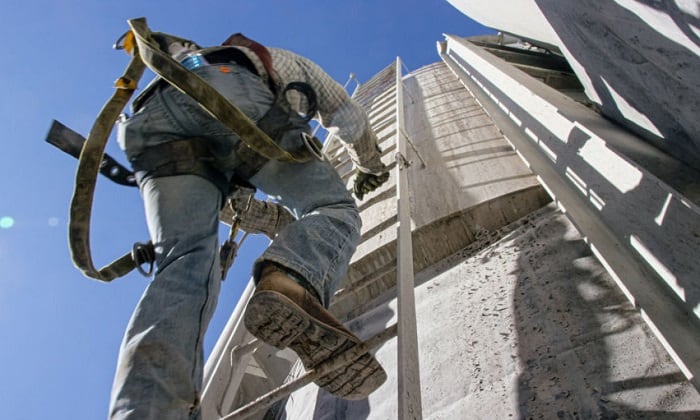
(59, 331)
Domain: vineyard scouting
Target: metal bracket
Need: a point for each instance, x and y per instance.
(143, 253)
(402, 161)
(413, 146)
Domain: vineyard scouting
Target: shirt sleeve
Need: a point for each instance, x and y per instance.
(338, 113)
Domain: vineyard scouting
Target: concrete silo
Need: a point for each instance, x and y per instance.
(552, 255)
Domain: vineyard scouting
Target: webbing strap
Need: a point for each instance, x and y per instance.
(147, 53)
(86, 178)
(212, 101)
(189, 156)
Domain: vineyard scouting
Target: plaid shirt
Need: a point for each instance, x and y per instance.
(337, 112)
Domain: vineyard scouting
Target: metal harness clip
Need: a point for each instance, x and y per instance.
(125, 42)
(141, 254)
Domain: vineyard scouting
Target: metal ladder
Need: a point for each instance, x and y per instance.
(382, 97)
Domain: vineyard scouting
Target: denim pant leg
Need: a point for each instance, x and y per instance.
(161, 359)
(159, 371)
(318, 245)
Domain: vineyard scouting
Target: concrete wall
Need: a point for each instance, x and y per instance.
(465, 181)
(640, 218)
(530, 326)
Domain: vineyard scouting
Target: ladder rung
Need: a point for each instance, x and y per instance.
(323, 369)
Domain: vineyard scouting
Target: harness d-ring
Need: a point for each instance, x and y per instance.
(141, 254)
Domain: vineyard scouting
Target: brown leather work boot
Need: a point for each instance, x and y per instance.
(284, 314)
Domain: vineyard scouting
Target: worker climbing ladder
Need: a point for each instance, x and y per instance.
(386, 112)
(239, 361)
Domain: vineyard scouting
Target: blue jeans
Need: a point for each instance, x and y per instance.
(159, 371)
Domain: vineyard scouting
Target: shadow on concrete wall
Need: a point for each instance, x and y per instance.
(681, 18)
(564, 336)
(656, 75)
(659, 231)
(660, 228)
(434, 125)
(569, 315)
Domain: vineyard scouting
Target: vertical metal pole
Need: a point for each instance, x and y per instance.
(409, 395)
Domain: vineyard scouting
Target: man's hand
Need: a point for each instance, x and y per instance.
(365, 183)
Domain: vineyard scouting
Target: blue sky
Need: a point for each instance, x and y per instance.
(59, 331)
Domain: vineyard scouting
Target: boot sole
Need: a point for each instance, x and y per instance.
(278, 321)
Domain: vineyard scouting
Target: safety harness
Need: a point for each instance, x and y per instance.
(192, 156)
(259, 144)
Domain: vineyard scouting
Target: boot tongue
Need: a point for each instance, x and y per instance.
(294, 276)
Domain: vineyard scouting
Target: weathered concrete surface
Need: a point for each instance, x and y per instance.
(471, 181)
(530, 326)
(638, 60)
(645, 232)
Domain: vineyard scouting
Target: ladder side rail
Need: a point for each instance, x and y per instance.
(409, 393)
